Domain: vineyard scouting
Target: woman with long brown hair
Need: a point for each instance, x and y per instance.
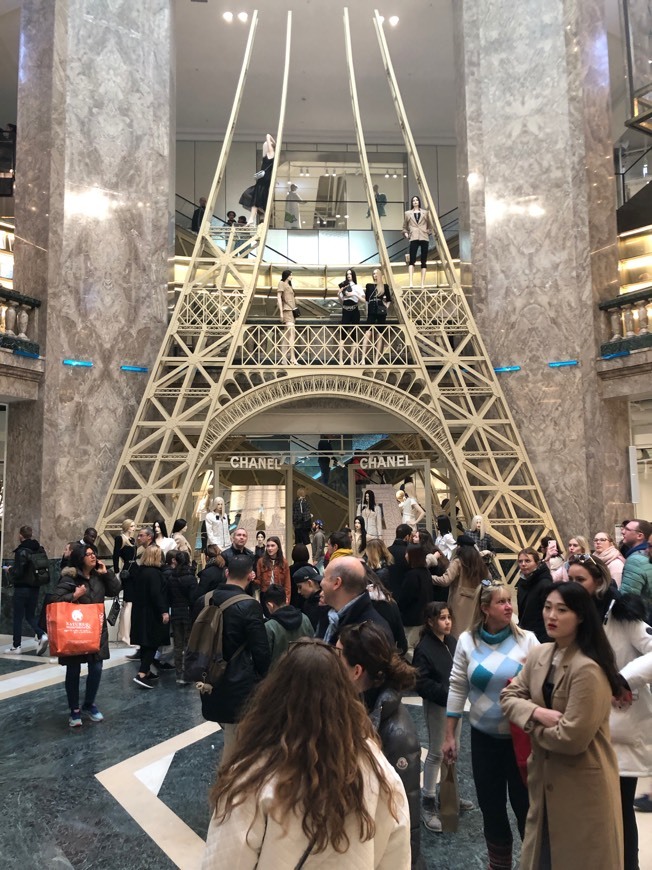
(463, 576)
(273, 568)
(306, 776)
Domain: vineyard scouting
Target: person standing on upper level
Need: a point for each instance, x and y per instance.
(417, 228)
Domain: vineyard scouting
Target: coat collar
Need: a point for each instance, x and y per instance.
(545, 662)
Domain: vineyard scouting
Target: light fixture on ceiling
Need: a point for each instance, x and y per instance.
(228, 16)
(387, 173)
(394, 175)
(243, 16)
(393, 20)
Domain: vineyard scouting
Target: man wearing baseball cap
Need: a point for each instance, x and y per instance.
(308, 581)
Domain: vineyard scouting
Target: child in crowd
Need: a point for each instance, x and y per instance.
(433, 659)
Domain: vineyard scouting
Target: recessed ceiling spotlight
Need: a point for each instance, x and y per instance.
(228, 16)
(393, 20)
(242, 16)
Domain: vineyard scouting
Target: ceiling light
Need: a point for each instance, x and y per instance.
(228, 16)
(242, 16)
(393, 20)
(394, 175)
(387, 173)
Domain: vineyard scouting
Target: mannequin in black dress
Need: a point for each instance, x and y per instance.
(261, 188)
(378, 301)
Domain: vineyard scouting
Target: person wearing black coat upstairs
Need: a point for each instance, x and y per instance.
(243, 626)
(344, 590)
(531, 591)
(380, 676)
(433, 661)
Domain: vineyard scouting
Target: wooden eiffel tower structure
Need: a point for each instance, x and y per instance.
(218, 367)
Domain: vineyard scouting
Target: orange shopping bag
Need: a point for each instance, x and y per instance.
(74, 629)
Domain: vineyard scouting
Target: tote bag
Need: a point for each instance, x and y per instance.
(74, 629)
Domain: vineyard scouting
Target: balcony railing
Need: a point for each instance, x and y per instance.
(628, 319)
(18, 322)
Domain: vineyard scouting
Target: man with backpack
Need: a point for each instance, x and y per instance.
(29, 572)
(244, 647)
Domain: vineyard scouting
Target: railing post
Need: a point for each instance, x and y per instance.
(641, 310)
(10, 318)
(23, 321)
(616, 322)
(628, 317)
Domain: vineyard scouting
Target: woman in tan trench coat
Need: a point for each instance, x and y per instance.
(463, 576)
(562, 697)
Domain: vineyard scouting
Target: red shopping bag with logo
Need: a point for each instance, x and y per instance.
(74, 629)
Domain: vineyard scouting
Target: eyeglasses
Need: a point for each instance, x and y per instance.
(582, 558)
(628, 529)
(600, 540)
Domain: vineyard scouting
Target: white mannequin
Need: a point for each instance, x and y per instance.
(412, 511)
(217, 525)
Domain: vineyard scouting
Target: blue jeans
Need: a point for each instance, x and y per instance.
(73, 673)
(25, 601)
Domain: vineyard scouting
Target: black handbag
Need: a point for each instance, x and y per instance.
(114, 613)
(296, 312)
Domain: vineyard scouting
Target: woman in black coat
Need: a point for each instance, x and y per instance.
(381, 675)
(150, 616)
(531, 591)
(86, 581)
(213, 574)
(181, 588)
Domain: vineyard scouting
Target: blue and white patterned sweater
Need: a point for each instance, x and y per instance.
(480, 672)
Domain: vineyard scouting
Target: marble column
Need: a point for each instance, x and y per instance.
(537, 208)
(94, 242)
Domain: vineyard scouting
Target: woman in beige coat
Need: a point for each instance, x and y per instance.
(463, 576)
(562, 698)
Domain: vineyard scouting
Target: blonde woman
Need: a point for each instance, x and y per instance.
(378, 558)
(606, 549)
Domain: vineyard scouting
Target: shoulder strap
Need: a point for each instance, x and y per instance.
(234, 600)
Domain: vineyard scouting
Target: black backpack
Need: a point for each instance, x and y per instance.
(204, 662)
(37, 568)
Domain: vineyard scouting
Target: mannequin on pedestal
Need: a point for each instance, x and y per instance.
(217, 525)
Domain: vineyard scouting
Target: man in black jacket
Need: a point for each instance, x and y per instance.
(243, 626)
(399, 569)
(26, 589)
(238, 547)
(344, 589)
(307, 580)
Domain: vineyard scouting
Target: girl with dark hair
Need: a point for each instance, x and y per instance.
(433, 660)
(414, 594)
(359, 536)
(161, 539)
(489, 654)
(624, 620)
(86, 581)
(464, 575)
(531, 589)
(273, 568)
(380, 675)
(417, 227)
(347, 807)
(372, 514)
(350, 295)
(562, 697)
(286, 307)
(181, 589)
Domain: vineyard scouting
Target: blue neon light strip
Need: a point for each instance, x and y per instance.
(501, 369)
(563, 363)
(28, 353)
(78, 363)
(139, 369)
(615, 355)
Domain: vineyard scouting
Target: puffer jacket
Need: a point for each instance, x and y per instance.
(243, 624)
(530, 595)
(402, 748)
(637, 573)
(98, 587)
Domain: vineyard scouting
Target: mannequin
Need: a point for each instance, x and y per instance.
(417, 228)
(372, 514)
(217, 525)
(412, 512)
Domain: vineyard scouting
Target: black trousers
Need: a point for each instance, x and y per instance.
(301, 536)
(414, 248)
(496, 775)
(630, 829)
(147, 654)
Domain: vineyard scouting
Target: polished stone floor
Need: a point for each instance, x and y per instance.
(131, 793)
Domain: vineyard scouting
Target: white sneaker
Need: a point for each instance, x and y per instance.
(14, 650)
(42, 645)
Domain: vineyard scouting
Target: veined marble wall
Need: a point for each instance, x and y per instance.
(537, 205)
(94, 228)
